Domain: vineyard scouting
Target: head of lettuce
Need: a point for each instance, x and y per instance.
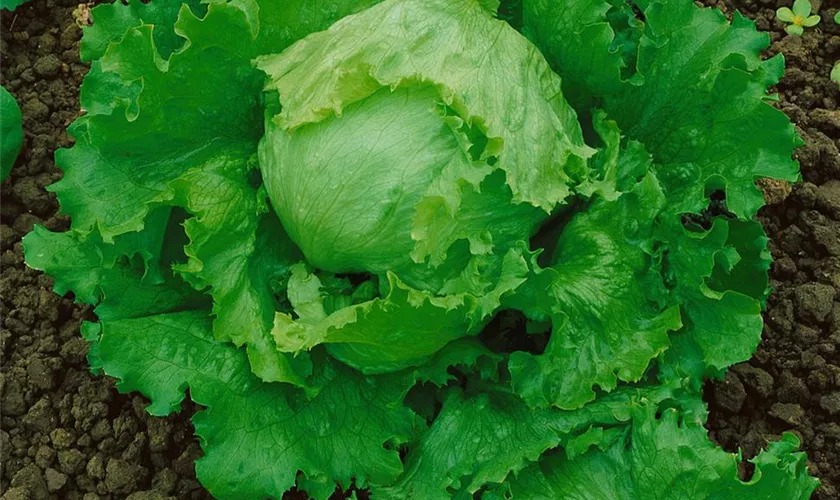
(422, 142)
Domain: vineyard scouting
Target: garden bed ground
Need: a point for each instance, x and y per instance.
(67, 434)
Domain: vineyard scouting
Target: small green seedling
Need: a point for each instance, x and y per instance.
(799, 18)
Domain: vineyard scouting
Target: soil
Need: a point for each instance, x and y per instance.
(67, 434)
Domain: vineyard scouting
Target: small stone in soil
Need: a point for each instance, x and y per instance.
(70, 461)
(96, 466)
(47, 65)
(61, 438)
(814, 300)
(792, 389)
(787, 412)
(12, 399)
(730, 394)
(30, 479)
(17, 493)
(55, 480)
(828, 197)
(757, 380)
(123, 477)
(831, 403)
(149, 495)
(40, 417)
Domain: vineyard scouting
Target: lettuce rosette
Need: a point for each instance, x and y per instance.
(428, 248)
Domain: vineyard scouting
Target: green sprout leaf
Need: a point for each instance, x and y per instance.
(799, 18)
(802, 8)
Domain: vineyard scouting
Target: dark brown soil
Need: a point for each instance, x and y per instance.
(67, 434)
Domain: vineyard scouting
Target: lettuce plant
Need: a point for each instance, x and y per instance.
(412, 248)
(11, 132)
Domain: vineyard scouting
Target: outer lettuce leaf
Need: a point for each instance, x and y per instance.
(112, 20)
(465, 355)
(237, 248)
(617, 166)
(182, 131)
(780, 471)
(11, 5)
(747, 273)
(600, 294)
(105, 187)
(480, 438)
(662, 457)
(276, 25)
(695, 100)
(646, 78)
(722, 325)
(474, 440)
(11, 132)
(255, 425)
(156, 338)
(101, 275)
(495, 92)
(479, 219)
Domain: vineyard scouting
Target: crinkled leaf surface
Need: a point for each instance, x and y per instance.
(475, 440)
(401, 329)
(723, 326)
(695, 100)
(236, 249)
(179, 127)
(482, 438)
(665, 458)
(166, 345)
(597, 295)
(112, 20)
(106, 186)
(257, 425)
